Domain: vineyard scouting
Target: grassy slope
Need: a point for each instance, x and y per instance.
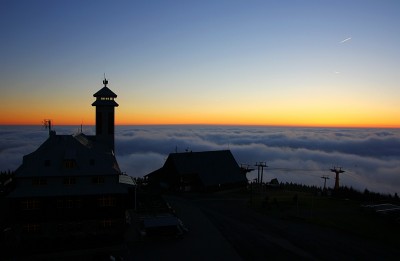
(342, 214)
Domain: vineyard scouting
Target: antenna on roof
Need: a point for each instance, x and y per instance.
(105, 82)
(47, 125)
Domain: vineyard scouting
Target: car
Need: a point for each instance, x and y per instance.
(165, 226)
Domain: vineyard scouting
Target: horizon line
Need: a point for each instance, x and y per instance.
(229, 124)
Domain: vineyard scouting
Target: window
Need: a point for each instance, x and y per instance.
(69, 203)
(98, 180)
(60, 203)
(31, 228)
(91, 162)
(47, 163)
(69, 181)
(106, 201)
(107, 223)
(39, 181)
(30, 204)
(69, 164)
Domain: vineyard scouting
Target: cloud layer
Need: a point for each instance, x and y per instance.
(370, 157)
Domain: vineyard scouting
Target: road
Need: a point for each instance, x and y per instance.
(256, 236)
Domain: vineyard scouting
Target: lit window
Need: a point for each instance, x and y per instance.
(106, 201)
(107, 223)
(69, 164)
(30, 204)
(31, 228)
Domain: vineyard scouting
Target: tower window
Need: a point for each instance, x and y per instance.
(47, 163)
(91, 162)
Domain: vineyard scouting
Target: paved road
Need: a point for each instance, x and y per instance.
(255, 236)
(202, 242)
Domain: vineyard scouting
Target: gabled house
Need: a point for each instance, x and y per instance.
(198, 171)
(72, 186)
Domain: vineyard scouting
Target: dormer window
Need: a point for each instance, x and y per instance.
(69, 164)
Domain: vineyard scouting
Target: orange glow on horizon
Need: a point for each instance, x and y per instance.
(282, 118)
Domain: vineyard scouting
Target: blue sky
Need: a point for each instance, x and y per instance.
(194, 61)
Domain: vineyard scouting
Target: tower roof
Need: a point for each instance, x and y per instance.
(105, 96)
(105, 92)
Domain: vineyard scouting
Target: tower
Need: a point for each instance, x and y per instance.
(105, 115)
(337, 171)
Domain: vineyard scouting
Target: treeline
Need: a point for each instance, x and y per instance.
(343, 192)
(6, 175)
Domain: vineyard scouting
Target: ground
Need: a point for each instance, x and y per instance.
(237, 225)
(258, 234)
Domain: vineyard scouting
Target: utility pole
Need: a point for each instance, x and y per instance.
(260, 166)
(325, 177)
(337, 171)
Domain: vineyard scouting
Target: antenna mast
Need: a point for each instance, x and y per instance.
(47, 125)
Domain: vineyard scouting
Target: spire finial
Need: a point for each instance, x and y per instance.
(105, 81)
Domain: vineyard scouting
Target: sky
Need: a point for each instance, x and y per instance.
(285, 63)
(370, 157)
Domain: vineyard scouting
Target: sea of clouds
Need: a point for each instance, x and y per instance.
(370, 157)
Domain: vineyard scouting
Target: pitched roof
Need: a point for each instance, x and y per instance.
(212, 167)
(89, 157)
(105, 92)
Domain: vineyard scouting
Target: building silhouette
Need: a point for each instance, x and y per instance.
(198, 171)
(71, 186)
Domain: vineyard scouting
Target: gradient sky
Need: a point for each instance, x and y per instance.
(319, 63)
